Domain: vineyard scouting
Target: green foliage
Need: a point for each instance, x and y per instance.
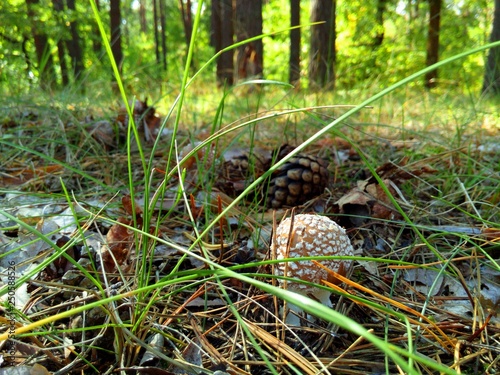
(13, 27)
(403, 49)
(360, 63)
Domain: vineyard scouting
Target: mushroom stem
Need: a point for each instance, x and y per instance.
(294, 312)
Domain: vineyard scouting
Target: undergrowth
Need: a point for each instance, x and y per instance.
(178, 274)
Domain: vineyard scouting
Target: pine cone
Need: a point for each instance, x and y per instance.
(300, 179)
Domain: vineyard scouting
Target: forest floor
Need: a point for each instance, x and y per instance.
(131, 257)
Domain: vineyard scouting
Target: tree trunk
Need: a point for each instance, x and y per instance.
(225, 65)
(187, 19)
(58, 6)
(491, 82)
(433, 42)
(96, 40)
(46, 70)
(294, 62)
(215, 25)
(163, 24)
(322, 53)
(248, 24)
(156, 31)
(62, 62)
(142, 16)
(74, 45)
(379, 37)
(116, 33)
(222, 37)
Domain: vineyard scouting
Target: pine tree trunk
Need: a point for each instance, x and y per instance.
(58, 6)
(294, 63)
(222, 37)
(142, 16)
(96, 40)
(187, 19)
(433, 42)
(156, 19)
(379, 37)
(163, 24)
(248, 23)
(74, 46)
(491, 82)
(322, 53)
(42, 48)
(116, 33)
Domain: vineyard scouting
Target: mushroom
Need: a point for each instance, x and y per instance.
(311, 235)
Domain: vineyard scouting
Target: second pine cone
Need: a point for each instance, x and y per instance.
(302, 178)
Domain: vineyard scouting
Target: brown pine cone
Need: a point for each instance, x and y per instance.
(300, 179)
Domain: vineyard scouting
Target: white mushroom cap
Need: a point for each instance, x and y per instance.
(311, 235)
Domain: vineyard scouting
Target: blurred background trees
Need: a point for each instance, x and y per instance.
(492, 71)
(322, 44)
(55, 43)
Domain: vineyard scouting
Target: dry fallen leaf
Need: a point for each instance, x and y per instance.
(131, 208)
(119, 241)
(145, 119)
(369, 200)
(17, 176)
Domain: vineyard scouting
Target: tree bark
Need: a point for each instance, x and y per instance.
(46, 72)
(294, 62)
(116, 32)
(225, 64)
(248, 24)
(215, 25)
(187, 19)
(58, 6)
(491, 83)
(96, 40)
(163, 24)
(322, 53)
(142, 16)
(156, 31)
(222, 37)
(74, 45)
(379, 37)
(433, 42)
(62, 62)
